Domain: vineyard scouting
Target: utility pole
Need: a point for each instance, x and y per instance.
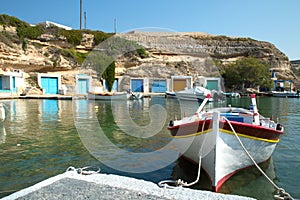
(84, 20)
(80, 14)
(115, 25)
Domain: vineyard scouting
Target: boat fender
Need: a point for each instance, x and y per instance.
(279, 127)
(171, 123)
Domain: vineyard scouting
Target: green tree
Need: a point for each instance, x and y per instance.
(249, 72)
(109, 75)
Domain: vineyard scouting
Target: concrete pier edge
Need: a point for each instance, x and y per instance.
(143, 189)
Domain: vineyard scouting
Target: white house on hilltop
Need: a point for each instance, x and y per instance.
(49, 23)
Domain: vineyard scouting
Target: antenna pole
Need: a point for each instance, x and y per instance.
(84, 20)
(115, 25)
(80, 14)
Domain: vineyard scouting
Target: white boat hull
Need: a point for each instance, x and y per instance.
(285, 94)
(116, 96)
(223, 156)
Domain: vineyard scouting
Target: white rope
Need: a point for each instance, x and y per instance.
(281, 192)
(85, 170)
(180, 182)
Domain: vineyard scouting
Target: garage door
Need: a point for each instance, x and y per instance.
(137, 85)
(83, 86)
(179, 84)
(159, 86)
(50, 85)
(212, 85)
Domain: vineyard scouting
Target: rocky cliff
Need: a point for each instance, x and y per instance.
(200, 53)
(166, 54)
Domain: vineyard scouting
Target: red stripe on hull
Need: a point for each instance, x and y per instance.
(241, 128)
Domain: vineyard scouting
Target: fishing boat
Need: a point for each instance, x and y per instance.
(225, 140)
(286, 94)
(108, 96)
(193, 94)
(170, 94)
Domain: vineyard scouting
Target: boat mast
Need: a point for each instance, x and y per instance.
(255, 110)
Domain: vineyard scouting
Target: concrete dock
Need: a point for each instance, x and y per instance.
(71, 185)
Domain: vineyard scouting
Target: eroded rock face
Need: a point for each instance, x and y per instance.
(169, 53)
(197, 53)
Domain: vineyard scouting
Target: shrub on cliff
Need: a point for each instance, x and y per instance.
(74, 37)
(99, 36)
(12, 21)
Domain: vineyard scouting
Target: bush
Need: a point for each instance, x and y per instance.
(12, 21)
(74, 37)
(142, 53)
(71, 53)
(31, 32)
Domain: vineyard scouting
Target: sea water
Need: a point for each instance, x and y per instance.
(42, 138)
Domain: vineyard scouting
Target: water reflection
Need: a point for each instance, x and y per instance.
(128, 136)
(2, 134)
(49, 110)
(49, 142)
(249, 182)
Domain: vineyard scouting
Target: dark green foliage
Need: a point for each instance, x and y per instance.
(79, 57)
(24, 30)
(74, 37)
(24, 44)
(99, 36)
(249, 72)
(109, 75)
(30, 32)
(142, 53)
(12, 21)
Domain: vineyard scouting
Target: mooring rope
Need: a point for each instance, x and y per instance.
(282, 194)
(85, 170)
(179, 182)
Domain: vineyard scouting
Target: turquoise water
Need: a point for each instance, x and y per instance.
(42, 138)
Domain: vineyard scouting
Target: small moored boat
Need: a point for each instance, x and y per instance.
(219, 138)
(108, 96)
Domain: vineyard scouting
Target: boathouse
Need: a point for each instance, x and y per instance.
(11, 80)
(179, 83)
(83, 83)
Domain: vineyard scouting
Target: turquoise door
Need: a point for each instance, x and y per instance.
(50, 85)
(212, 85)
(137, 85)
(0, 82)
(83, 86)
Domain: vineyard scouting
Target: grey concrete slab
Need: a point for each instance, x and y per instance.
(71, 185)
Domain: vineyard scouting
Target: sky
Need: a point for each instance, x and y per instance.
(275, 21)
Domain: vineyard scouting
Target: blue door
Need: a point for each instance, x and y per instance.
(137, 85)
(50, 85)
(0, 82)
(83, 86)
(159, 86)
